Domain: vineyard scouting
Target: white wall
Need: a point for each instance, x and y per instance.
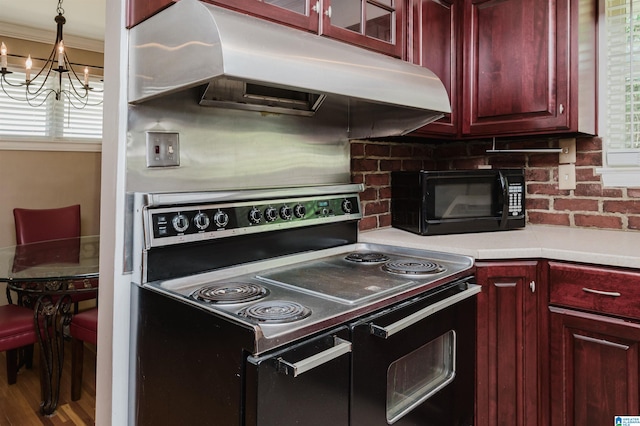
(113, 321)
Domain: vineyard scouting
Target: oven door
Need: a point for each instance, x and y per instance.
(414, 364)
(304, 384)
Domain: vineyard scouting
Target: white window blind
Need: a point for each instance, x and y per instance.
(622, 108)
(48, 119)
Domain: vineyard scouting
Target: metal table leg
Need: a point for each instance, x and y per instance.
(50, 317)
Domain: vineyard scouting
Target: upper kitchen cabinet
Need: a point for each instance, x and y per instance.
(373, 24)
(139, 10)
(526, 67)
(302, 14)
(434, 27)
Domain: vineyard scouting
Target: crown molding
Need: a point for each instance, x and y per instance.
(48, 36)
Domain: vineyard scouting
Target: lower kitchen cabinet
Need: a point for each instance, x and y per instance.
(594, 368)
(595, 355)
(511, 341)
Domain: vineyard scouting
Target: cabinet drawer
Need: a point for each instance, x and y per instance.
(598, 289)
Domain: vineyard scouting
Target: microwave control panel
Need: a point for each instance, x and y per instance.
(516, 197)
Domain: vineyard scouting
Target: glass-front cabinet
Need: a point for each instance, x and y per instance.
(373, 24)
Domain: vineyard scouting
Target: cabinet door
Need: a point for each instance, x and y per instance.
(516, 72)
(301, 14)
(507, 353)
(434, 37)
(374, 24)
(594, 368)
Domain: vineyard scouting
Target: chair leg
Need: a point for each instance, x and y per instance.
(28, 356)
(12, 366)
(77, 357)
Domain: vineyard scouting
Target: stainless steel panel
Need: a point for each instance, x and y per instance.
(229, 149)
(192, 43)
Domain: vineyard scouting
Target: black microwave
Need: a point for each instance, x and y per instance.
(458, 201)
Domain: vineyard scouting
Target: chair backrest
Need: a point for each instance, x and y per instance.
(34, 225)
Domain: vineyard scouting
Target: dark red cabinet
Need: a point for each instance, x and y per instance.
(595, 355)
(510, 313)
(526, 66)
(594, 368)
(435, 32)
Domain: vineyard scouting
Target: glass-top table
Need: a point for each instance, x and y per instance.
(49, 276)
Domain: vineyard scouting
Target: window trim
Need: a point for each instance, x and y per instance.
(68, 145)
(612, 176)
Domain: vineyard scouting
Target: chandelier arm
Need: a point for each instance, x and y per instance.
(5, 81)
(48, 92)
(36, 93)
(79, 103)
(2, 81)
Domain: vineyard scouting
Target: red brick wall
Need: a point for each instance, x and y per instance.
(589, 205)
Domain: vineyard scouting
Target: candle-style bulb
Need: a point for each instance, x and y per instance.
(86, 76)
(27, 65)
(61, 54)
(3, 55)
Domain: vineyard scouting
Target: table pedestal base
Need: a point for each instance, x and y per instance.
(51, 316)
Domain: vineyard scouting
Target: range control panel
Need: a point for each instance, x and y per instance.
(179, 224)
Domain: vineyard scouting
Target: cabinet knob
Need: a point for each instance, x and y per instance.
(316, 7)
(561, 109)
(328, 12)
(532, 286)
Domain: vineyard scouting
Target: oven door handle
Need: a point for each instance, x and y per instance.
(391, 329)
(339, 348)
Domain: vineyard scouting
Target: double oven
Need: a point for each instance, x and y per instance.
(260, 307)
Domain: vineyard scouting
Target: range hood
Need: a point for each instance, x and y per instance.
(242, 62)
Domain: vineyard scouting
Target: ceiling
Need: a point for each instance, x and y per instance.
(85, 18)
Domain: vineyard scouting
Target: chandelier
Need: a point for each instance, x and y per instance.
(66, 81)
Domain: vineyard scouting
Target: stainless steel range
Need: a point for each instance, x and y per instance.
(261, 308)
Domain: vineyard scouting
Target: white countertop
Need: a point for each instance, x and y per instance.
(596, 246)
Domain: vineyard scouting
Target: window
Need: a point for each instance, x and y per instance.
(620, 83)
(48, 120)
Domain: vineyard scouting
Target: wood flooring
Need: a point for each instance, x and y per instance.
(20, 402)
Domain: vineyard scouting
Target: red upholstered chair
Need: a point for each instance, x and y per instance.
(16, 331)
(83, 328)
(35, 225)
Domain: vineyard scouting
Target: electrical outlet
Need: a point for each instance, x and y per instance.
(163, 149)
(567, 176)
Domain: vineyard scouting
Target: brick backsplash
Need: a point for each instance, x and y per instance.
(589, 205)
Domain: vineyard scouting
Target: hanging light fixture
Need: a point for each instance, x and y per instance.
(57, 66)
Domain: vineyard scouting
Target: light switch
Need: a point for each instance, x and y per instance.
(163, 149)
(567, 176)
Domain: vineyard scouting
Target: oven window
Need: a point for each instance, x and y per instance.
(418, 375)
(463, 199)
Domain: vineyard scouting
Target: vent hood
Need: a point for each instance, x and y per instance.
(247, 63)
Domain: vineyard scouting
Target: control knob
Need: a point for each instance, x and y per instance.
(347, 207)
(201, 220)
(255, 215)
(286, 212)
(270, 214)
(221, 219)
(299, 211)
(180, 222)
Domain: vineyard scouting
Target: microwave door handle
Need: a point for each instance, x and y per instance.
(505, 200)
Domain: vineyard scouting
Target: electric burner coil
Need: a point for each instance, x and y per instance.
(413, 267)
(230, 292)
(275, 312)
